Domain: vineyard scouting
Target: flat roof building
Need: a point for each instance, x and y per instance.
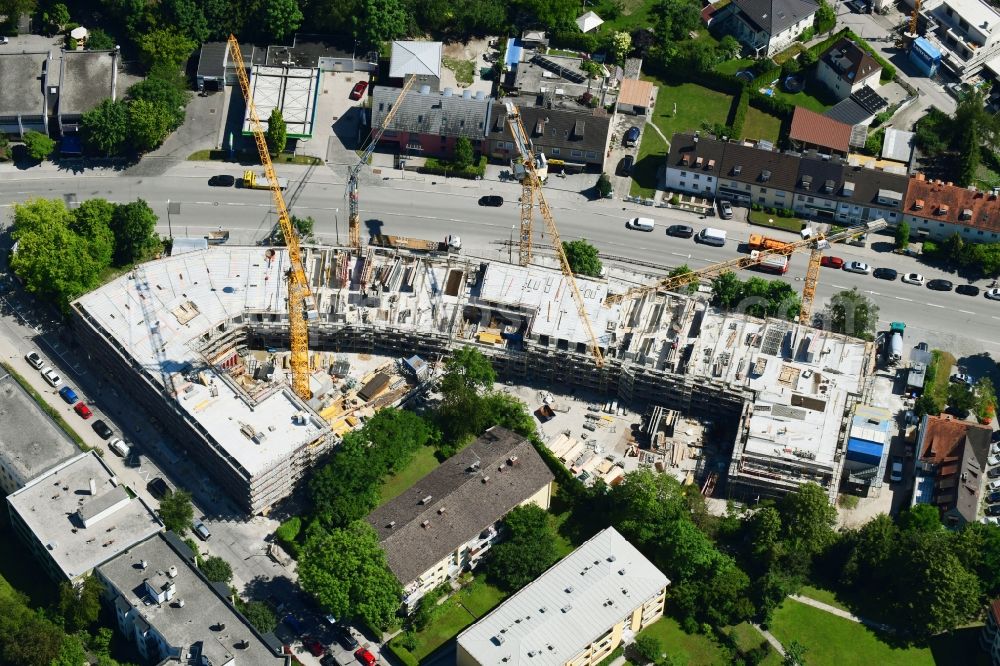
(24, 106)
(577, 612)
(77, 516)
(86, 78)
(30, 441)
(444, 523)
(174, 615)
(291, 90)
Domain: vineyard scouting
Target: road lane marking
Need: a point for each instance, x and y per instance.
(837, 286)
(967, 312)
(933, 305)
(903, 298)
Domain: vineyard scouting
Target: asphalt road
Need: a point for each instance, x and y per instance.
(430, 209)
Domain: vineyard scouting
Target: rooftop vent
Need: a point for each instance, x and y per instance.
(440, 510)
(143, 564)
(392, 523)
(480, 95)
(466, 94)
(569, 589)
(918, 204)
(621, 572)
(425, 89)
(172, 571)
(486, 479)
(426, 500)
(512, 461)
(567, 608)
(611, 558)
(425, 524)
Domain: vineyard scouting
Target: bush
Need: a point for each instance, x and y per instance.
(287, 535)
(930, 248)
(739, 113)
(575, 40)
(443, 168)
(604, 186)
(404, 655)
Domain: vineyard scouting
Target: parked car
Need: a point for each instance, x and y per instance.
(831, 262)
(967, 290)
(68, 394)
(680, 231)
(993, 497)
(896, 469)
(222, 181)
(368, 659)
(993, 509)
(294, 623)
(914, 278)
(640, 224)
(993, 473)
(82, 409)
(491, 200)
(119, 446)
(993, 294)
(993, 460)
(102, 429)
(159, 489)
(50, 376)
(725, 210)
(885, 273)
(962, 378)
(857, 267)
(346, 638)
(939, 285)
(315, 648)
(4, 40)
(993, 486)
(359, 90)
(199, 528)
(625, 166)
(34, 360)
(631, 137)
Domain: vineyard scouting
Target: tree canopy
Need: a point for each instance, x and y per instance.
(756, 296)
(216, 569)
(176, 511)
(134, 226)
(582, 257)
(277, 131)
(528, 548)
(105, 128)
(38, 145)
(852, 313)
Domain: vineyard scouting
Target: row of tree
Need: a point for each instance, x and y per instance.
(962, 139)
(62, 253)
(975, 259)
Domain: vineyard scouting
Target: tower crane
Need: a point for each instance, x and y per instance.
(354, 220)
(816, 244)
(531, 190)
(299, 296)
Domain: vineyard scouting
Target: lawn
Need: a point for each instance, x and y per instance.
(634, 14)
(733, 66)
(748, 638)
(820, 594)
(761, 125)
(829, 639)
(465, 70)
(763, 219)
(423, 462)
(652, 153)
(683, 648)
(462, 609)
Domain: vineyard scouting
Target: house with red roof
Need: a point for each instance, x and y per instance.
(937, 209)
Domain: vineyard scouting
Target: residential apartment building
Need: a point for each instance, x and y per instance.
(937, 210)
(845, 68)
(951, 467)
(447, 521)
(76, 517)
(752, 175)
(429, 123)
(576, 613)
(768, 26)
(966, 32)
(989, 639)
(694, 164)
(173, 614)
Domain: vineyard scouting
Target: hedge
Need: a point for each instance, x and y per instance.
(574, 40)
(738, 113)
(405, 656)
(436, 167)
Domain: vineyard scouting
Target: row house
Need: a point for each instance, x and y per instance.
(937, 210)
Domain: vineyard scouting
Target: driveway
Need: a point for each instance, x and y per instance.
(339, 118)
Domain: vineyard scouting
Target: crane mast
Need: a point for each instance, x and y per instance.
(532, 189)
(298, 287)
(354, 219)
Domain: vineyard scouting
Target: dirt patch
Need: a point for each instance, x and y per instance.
(470, 50)
(465, 70)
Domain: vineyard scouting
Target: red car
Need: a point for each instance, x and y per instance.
(359, 89)
(365, 657)
(832, 262)
(82, 410)
(314, 646)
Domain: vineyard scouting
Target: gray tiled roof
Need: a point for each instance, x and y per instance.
(432, 113)
(563, 128)
(820, 173)
(459, 503)
(212, 60)
(759, 167)
(773, 16)
(685, 151)
(868, 182)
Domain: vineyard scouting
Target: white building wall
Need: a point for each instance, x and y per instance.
(691, 181)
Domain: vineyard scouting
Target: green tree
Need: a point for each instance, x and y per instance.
(134, 226)
(582, 257)
(685, 287)
(826, 18)
(674, 20)
(105, 129)
(149, 124)
(902, 236)
(282, 18)
(969, 155)
(92, 221)
(98, 40)
(920, 518)
(217, 570)
(176, 511)
(852, 313)
(260, 616)
(808, 519)
(528, 549)
(463, 153)
(345, 570)
(961, 398)
(795, 654)
(167, 90)
(80, 606)
(621, 46)
(467, 369)
(929, 403)
(604, 186)
(986, 399)
(648, 648)
(38, 145)
(871, 548)
(14, 8)
(4, 148)
(644, 503)
(977, 546)
(726, 290)
(164, 45)
(277, 131)
(382, 20)
(56, 18)
(188, 17)
(303, 227)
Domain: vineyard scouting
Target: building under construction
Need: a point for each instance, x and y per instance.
(198, 338)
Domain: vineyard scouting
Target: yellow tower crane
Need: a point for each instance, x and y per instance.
(815, 244)
(354, 220)
(298, 288)
(532, 190)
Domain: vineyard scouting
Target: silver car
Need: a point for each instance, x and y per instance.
(858, 267)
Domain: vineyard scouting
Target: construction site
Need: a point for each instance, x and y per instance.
(201, 339)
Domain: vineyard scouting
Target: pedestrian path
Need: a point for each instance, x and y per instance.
(840, 612)
(775, 643)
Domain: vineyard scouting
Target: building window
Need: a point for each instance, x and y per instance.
(763, 190)
(809, 199)
(697, 176)
(747, 187)
(576, 153)
(980, 232)
(591, 155)
(780, 195)
(683, 184)
(760, 199)
(555, 151)
(684, 174)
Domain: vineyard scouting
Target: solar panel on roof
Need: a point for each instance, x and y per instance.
(555, 67)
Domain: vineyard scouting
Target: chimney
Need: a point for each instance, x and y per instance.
(172, 571)
(93, 486)
(425, 524)
(486, 479)
(426, 500)
(180, 603)
(143, 564)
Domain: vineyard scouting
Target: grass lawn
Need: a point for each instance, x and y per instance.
(733, 66)
(635, 14)
(422, 463)
(987, 178)
(748, 638)
(763, 219)
(248, 157)
(820, 594)
(690, 649)
(829, 639)
(465, 70)
(652, 153)
(761, 125)
(695, 105)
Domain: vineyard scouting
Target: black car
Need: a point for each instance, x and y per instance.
(102, 429)
(885, 273)
(346, 638)
(967, 290)
(680, 230)
(993, 473)
(993, 497)
(492, 200)
(939, 285)
(222, 181)
(158, 488)
(993, 509)
(625, 166)
(631, 136)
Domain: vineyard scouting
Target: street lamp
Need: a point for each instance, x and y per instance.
(510, 245)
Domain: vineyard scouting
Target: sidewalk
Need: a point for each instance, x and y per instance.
(833, 610)
(775, 643)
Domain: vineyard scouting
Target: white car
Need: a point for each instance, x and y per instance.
(993, 294)
(50, 376)
(993, 485)
(914, 278)
(857, 267)
(993, 460)
(34, 360)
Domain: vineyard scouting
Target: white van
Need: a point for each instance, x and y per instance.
(640, 223)
(120, 447)
(710, 236)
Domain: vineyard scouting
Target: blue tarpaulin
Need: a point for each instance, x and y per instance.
(861, 450)
(513, 52)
